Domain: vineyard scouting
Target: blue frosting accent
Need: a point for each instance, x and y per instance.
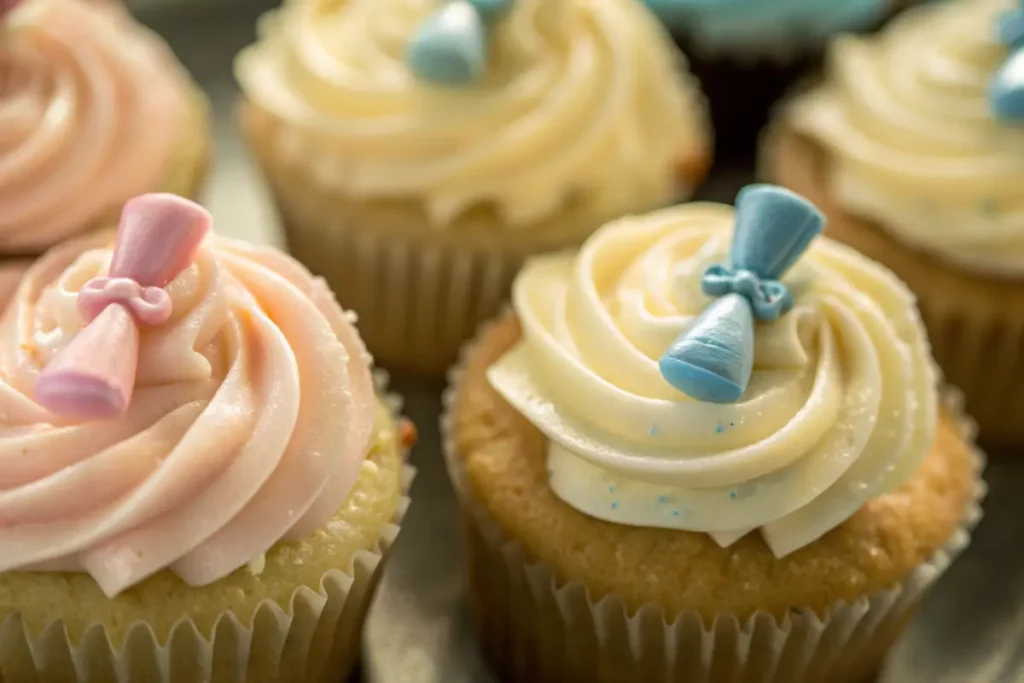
(1006, 92)
(714, 356)
(450, 47)
(742, 22)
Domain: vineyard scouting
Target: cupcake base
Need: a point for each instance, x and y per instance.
(560, 596)
(295, 615)
(975, 323)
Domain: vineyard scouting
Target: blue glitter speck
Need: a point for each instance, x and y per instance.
(675, 513)
(732, 494)
(615, 506)
(662, 499)
(654, 430)
(611, 489)
(720, 429)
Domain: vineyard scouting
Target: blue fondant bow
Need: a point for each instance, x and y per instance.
(450, 47)
(1007, 89)
(714, 356)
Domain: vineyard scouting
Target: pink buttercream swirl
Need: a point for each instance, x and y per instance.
(252, 413)
(91, 107)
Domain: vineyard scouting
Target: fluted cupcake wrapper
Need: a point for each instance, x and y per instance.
(315, 638)
(534, 627)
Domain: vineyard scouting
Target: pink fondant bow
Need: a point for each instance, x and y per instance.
(93, 376)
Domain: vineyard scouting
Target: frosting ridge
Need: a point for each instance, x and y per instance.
(90, 109)
(915, 145)
(841, 405)
(252, 414)
(581, 101)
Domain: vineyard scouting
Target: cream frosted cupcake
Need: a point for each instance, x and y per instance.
(94, 109)
(199, 483)
(419, 151)
(675, 465)
(911, 147)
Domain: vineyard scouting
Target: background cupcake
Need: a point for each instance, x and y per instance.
(415, 165)
(903, 147)
(746, 52)
(208, 499)
(782, 530)
(94, 109)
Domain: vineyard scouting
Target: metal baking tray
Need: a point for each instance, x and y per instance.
(970, 630)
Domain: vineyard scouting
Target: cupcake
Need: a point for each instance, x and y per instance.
(747, 52)
(94, 109)
(913, 147)
(199, 478)
(419, 151)
(674, 465)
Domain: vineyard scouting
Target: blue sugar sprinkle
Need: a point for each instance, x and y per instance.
(654, 430)
(611, 489)
(732, 494)
(615, 506)
(675, 513)
(662, 499)
(720, 429)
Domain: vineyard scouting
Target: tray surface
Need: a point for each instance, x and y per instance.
(971, 629)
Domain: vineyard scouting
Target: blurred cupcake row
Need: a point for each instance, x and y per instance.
(703, 444)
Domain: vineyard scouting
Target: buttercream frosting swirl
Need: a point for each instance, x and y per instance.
(841, 406)
(91, 106)
(582, 101)
(758, 26)
(913, 140)
(251, 417)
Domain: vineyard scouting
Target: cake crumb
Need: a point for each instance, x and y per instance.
(407, 433)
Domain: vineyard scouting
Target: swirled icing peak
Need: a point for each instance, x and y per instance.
(581, 104)
(913, 143)
(91, 105)
(251, 415)
(841, 404)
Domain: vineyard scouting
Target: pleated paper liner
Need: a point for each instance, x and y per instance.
(314, 639)
(535, 628)
(975, 323)
(419, 291)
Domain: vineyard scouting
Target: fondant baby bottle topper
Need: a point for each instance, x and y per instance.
(1007, 90)
(93, 377)
(450, 47)
(714, 356)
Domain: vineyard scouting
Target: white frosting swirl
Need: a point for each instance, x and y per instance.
(582, 101)
(915, 145)
(841, 407)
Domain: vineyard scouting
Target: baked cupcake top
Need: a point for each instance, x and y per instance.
(218, 402)
(826, 401)
(756, 26)
(918, 121)
(91, 106)
(543, 103)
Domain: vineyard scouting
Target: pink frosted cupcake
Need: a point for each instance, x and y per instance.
(94, 109)
(198, 476)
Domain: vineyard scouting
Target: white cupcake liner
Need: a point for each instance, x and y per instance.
(315, 638)
(536, 628)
